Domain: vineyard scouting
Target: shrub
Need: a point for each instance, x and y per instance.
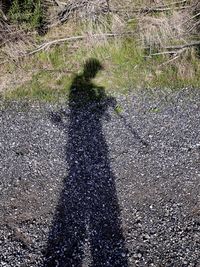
(28, 12)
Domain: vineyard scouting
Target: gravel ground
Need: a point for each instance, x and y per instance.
(90, 186)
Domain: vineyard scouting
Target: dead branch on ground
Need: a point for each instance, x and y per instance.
(76, 38)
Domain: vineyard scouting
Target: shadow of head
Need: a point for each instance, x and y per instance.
(91, 68)
(83, 89)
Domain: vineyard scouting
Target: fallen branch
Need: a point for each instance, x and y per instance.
(175, 50)
(55, 70)
(74, 38)
(193, 17)
(163, 53)
(194, 26)
(169, 61)
(177, 47)
(175, 3)
(54, 42)
(162, 8)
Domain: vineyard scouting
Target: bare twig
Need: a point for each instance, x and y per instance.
(169, 61)
(163, 53)
(194, 26)
(50, 43)
(3, 15)
(175, 49)
(193, 17)
(163, 9)
(197, 43)
(74, 38)
(175, 3)
(56, 70)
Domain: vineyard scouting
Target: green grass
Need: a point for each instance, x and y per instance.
(125, 69)
(29, 13)
(41, 87)
(118, 109)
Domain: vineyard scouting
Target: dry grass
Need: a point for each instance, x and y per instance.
(14, 41)
(158, 32)
(153, 30)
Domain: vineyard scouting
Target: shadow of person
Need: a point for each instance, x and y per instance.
(87, 225)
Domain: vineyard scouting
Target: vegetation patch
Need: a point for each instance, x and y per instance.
(140, 45)
(27, 12)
